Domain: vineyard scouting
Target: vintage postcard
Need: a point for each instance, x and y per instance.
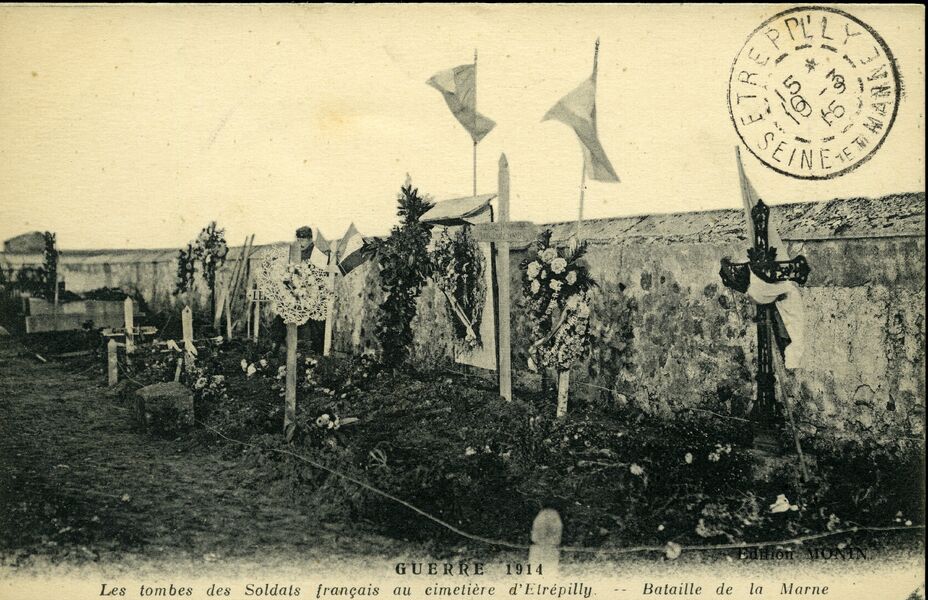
(462, 302)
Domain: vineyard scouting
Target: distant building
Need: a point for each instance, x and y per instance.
(27, 243)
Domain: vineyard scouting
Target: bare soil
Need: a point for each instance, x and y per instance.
(79, 485)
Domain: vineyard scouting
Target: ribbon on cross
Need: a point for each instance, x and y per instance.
(471, 335)
(533, 349)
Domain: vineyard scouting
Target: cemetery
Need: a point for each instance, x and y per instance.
(621, 394)
(700, 386)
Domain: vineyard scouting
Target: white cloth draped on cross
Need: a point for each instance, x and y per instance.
(790, 327)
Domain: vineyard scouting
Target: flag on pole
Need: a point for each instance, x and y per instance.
(789, 310)
(350, 250)
(459, 87)
(578, 111)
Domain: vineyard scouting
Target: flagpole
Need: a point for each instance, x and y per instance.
(475, 121)
(583, 176)
(582, 189)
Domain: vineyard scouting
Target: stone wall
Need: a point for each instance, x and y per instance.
(669, 337)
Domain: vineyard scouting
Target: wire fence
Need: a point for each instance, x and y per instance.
(604, 551)
(574, 549)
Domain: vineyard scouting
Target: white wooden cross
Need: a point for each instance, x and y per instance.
(254, 296)
(502, 235)
(129, 330)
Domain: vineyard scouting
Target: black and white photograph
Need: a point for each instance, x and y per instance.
(462, 301)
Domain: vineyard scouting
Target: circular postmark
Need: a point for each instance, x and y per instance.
(813, 92)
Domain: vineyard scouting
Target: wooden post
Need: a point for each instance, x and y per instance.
(112, 368)
(186, 319)
(502, 284)
(257, 313)
(330, 312)
(129, 317)
(546, 540)
(563, 387)
(228, 308)
(290, 393)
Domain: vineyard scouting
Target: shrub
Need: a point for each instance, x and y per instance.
(404, 267)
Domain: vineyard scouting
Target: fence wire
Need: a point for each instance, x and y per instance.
(575, 549)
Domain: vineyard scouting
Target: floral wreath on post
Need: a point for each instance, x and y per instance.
(558, 287)
(297, 291)
(211, 249)
(458, 271)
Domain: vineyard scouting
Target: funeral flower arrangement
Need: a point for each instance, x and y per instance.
(458, 271)
(210, 249)
(186, 267)
(297, 291)
(558, 287)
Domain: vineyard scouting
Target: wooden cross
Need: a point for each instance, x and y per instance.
(129, 330)
(502, 235)
(763, 263)
(290, 389)
(254, 296)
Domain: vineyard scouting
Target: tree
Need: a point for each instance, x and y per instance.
(404, 267)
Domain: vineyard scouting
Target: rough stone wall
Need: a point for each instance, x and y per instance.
(671, 338)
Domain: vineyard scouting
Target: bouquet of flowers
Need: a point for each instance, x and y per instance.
(211, 249)
(557, 285)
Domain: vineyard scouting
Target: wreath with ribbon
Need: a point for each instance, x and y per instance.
(297, 291)
(458, 271)
(558, 288)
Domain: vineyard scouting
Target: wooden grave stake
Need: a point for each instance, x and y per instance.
(186, 319)
(228, 319)
(330, 311)
(546, 541)
(290, 390)
(112, 367)
(501, 235)
(130, 325)
(502, 284)
(257, 317)
(563, 389)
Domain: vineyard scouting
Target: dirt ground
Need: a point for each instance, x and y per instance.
(78, 485)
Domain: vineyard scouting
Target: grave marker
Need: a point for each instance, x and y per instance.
(290, 390)
(546, 541)
(254, 295)
(762, 264)
(330, 311)
(130, 325)
(502, 275)
(503, 234)
(186, 319)
(112, 367)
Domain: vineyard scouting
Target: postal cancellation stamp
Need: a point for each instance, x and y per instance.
(814, 92)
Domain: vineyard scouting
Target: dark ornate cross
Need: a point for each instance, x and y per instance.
(763, 263)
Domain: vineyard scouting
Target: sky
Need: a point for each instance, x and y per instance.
(134, 126)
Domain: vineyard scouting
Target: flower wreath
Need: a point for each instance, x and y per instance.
(558, 288)
(458, 271)
(297, 291)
